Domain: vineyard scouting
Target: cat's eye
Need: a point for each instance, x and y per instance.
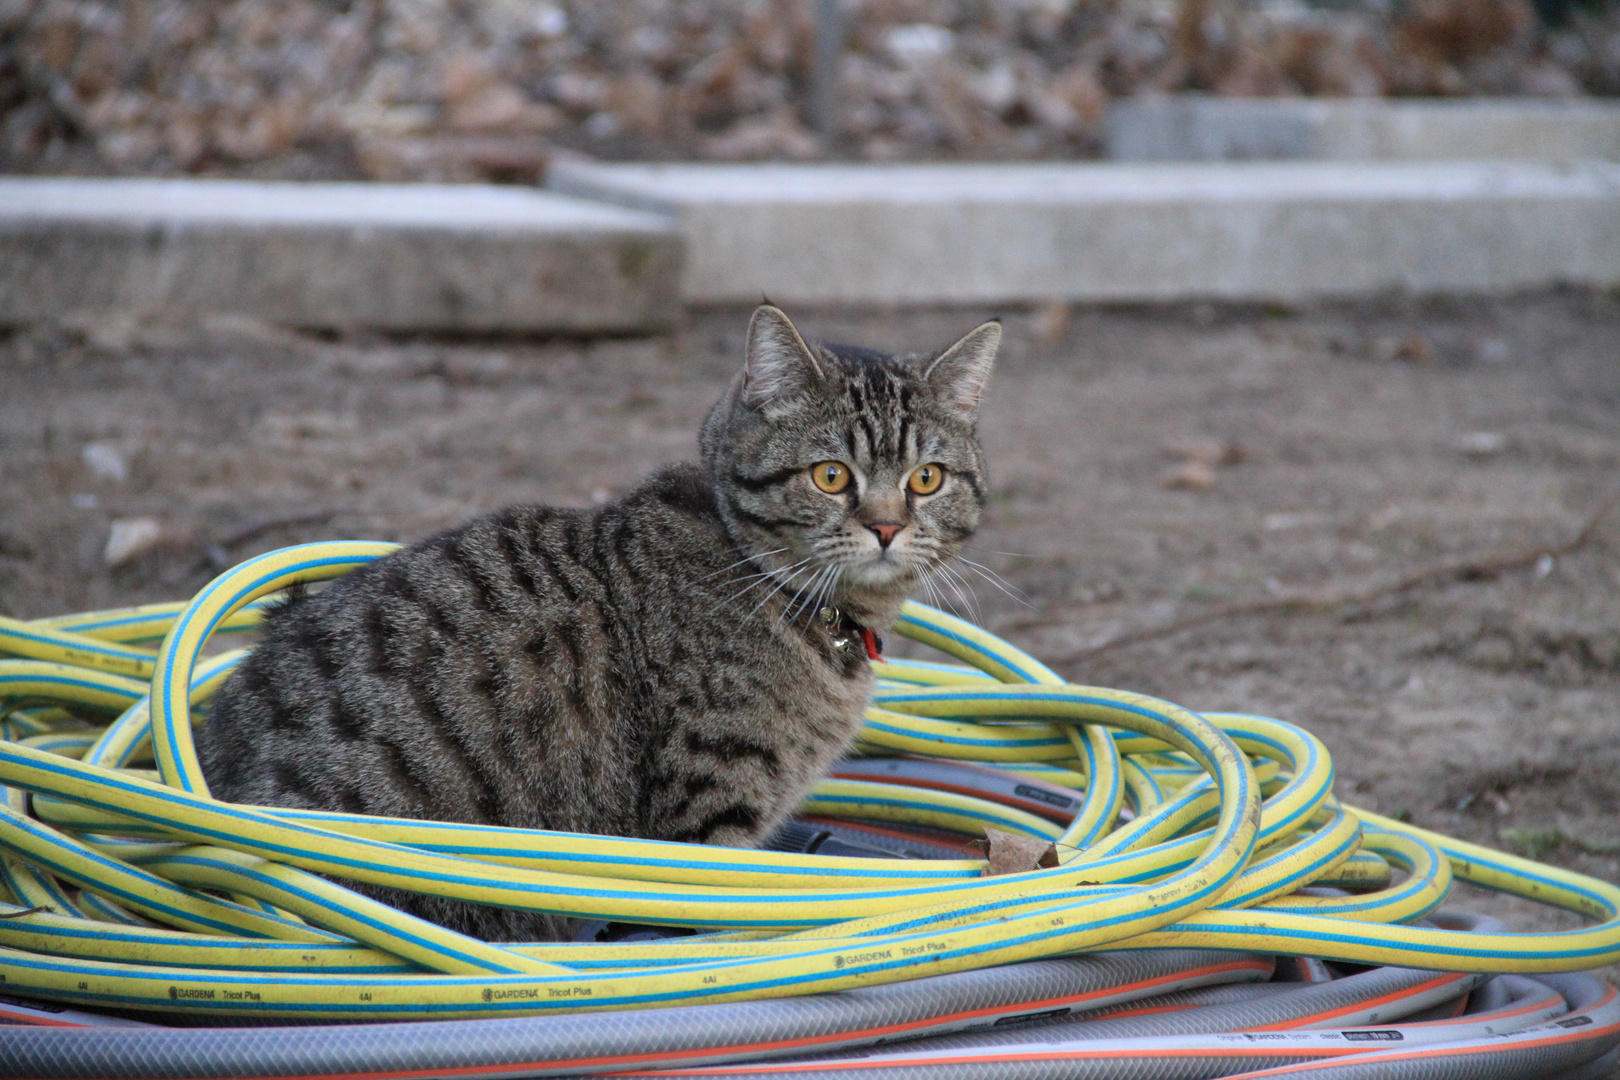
(925, 479)
(830, 476)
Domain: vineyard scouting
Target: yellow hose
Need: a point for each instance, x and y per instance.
(161, 897)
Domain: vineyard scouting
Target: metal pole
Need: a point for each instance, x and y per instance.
(824, 70)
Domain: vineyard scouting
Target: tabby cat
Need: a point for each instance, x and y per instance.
(681, 664)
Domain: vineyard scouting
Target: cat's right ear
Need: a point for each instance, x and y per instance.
(780, 367)
(962, 370)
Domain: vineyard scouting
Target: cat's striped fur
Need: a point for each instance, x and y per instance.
(656, 667)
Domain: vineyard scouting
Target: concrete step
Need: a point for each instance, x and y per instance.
(1191, 128)
(391, 257)
(1283, 231)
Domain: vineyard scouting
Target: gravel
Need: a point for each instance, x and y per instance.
(458, 90)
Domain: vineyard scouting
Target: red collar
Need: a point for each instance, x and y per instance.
(873, 643)
(842, 628)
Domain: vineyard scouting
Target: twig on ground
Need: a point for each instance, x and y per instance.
(1476, 566)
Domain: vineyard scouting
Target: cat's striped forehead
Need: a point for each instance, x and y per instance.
(876, 399)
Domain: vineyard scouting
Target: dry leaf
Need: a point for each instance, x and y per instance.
(1189, 476)
(130, 538)
(1009, 853)
(1052, 321)
(1205, 450)
(1415, 349)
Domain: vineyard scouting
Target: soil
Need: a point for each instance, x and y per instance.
(1149, 465)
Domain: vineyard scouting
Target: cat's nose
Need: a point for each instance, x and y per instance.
(885, 532)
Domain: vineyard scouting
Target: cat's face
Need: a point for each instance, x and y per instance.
(851, 475)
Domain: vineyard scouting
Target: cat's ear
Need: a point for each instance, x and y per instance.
(961, 372)
(780, 366)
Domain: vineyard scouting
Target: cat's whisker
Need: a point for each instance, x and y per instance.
(926, 580)
(740, 562)
(761, 576)
(972, 592)
(825, 590)
(935, 597)
(829, 589)
(769, 575)
(766, 598)
(790, 612)
(774, 573)
(728, 601)
(960, 604)
(996, 579)
(962, 589)
(944, 601)
(768, 572)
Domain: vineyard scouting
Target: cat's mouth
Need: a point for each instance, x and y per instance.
(883, 568)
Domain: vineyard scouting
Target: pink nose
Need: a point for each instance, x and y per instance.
(885, 533)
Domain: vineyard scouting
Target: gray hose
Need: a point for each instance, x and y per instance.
(1603, 1068)
(608, 1041)
(1302, 1000)
(1501, 994)
(1533, 1054)
(1547, 1050)
(1194, 999)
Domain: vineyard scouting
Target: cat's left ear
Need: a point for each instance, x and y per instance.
(780, 366)
(961, 372)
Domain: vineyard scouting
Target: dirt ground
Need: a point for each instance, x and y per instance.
(1349, 445)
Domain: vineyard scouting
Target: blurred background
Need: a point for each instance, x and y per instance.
(1379, 510)
(486, 89)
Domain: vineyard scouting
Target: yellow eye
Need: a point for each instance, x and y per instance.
(830, 476)
(925, 479)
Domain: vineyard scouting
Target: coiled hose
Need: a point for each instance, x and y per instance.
(137, 893)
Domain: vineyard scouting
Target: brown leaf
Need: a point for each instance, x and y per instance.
(495, 107)
(1188, 476)
(1415, 349)
(1205, 450)
(455, 158)
(1052, 321)
(1009, 853)
(130, 538)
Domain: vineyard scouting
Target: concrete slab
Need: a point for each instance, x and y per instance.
(1191, 128)
(392, 257)
(925, 234)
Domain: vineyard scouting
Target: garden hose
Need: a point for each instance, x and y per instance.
(1188, 841)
